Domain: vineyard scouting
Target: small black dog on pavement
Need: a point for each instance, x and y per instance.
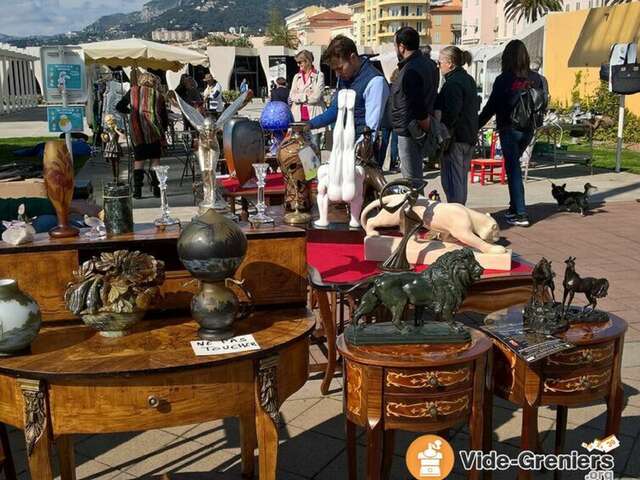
(573, 201)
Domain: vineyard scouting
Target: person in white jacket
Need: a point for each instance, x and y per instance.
(307, 93)
(213, 100)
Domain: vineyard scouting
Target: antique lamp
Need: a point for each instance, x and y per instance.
(276, 118)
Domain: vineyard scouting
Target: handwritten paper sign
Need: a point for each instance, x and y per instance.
(242, 343)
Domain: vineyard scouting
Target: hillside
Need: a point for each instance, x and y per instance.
(199, 16)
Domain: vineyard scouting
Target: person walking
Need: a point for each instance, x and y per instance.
(148, 115)
(412, 98)
(281, 92)
(516, 76)
(356, 73)
(457, 103)
(213, 99)
(244, 86)
(307, 93)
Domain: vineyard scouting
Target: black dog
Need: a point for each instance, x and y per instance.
(573, 201)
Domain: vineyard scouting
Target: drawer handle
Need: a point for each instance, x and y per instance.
(153, 401)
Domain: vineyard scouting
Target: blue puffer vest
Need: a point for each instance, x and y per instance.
(359, 83)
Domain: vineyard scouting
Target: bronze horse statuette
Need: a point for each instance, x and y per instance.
(593, 288)
(544, 315)
(440, 289)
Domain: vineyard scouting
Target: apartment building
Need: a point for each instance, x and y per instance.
(358, 24)
(317, 25)
(164, 35)
(446, 22)
(382, 18)
(484, 22)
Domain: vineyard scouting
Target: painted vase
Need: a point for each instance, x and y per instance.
(20, 318)
(58, 179)
(212, 248)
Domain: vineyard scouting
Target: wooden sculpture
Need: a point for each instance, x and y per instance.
(58, 180)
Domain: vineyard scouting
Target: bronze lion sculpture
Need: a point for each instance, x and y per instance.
(440, 289)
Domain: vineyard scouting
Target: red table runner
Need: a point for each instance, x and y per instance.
(343, 262)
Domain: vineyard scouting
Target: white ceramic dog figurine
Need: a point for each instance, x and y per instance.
(341, 180)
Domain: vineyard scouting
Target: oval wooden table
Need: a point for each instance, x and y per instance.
(75, 381)
(420, 388)
(571, 378)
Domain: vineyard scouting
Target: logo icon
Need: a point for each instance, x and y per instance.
(430, 457)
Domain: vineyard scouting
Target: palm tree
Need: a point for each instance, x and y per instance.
(530, 10)
(277, 32)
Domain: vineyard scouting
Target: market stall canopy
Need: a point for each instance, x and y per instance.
(135, 52)
(602, 28)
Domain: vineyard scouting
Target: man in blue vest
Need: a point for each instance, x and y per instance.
(356, 73)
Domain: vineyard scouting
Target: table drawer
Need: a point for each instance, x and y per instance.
(427, 409)
(575, 384)
(457, 377)
(594, 355)
(102, 405)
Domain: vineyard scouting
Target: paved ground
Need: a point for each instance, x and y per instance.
(606, 243)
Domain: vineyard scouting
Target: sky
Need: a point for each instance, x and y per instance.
(47, 17)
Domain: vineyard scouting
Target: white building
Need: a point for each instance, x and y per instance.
(164, 35)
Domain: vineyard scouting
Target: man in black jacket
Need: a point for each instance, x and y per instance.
(281, 92)
(458, 104)
(412, 98)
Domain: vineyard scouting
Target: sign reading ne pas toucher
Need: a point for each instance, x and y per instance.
(241, 343)
(69, 72)
(65, 119)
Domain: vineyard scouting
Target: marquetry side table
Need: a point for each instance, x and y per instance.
(75, 381)
(420, 388)
(587, 373)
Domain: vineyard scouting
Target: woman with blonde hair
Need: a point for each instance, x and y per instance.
(458, 105)
(307, 90)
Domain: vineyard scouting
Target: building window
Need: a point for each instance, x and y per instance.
(404, 11)
(578, 6)
(419, 11)
(436, 37)
(567, 7)
(419, 27)
(437, 20)
(457, 19)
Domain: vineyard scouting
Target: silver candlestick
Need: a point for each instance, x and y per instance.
(165, 220)
(260, 217)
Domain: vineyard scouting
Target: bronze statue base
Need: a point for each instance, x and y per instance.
(551, 318)
(388, 334)
(297, 218)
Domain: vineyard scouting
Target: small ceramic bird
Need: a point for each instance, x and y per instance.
(98, 229)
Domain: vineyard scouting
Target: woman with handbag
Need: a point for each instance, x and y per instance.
(458, 104)
(307, 91)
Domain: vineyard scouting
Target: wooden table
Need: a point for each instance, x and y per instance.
(572, 378)
(77, 382)
(421, 388)
(275, 256)
(336, 264)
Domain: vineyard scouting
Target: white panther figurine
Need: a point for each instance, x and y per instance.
(472, 228)
(341, 180)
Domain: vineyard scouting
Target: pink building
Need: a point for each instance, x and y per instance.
(479, 22)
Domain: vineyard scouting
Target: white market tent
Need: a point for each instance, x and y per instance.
(135, 52)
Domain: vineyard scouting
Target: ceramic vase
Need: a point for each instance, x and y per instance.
(58, 180)
(212, 248)
(20, 318)
(118, 211)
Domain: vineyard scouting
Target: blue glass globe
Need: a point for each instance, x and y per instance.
(276, 116)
